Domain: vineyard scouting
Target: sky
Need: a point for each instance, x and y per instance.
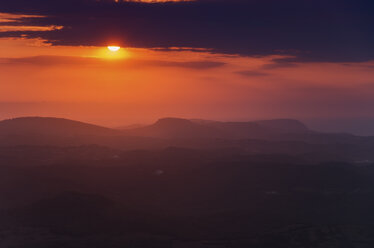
(236, 60)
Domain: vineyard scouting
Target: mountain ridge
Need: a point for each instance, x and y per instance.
(164, 132)
(50, 125)
(195, 128)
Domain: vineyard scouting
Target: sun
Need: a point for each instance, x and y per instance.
(114, 48)
(112, 52)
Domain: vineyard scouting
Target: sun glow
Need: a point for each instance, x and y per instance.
(114, 48)
(113, 52)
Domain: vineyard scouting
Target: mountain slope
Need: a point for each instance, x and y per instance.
(174, 128)
(197, 129)
(42, 131)
(51, 126)
(285, 125)
(38, 131)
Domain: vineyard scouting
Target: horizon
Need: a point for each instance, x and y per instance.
(356, 127)
(56, 61)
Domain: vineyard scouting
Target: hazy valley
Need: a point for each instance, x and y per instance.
(183, 183)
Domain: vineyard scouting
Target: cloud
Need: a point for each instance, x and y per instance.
(252, 73)
(201, 65)
(19, 23)
(320, 30)
(278, 64)
(102, 62)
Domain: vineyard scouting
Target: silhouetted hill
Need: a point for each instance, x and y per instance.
(51, 131)
(51, 126)
(197, 129)
(132, 126)
(175, 128)
(285, 125)
(247, 137)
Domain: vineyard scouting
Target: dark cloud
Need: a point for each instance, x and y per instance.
(279, 63)
(311, 30)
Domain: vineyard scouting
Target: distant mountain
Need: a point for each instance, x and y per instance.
(166, 132)
(197, 129)
(51, 126)
(174, 128)
(285, 125)
(51, 131)
(130, 126)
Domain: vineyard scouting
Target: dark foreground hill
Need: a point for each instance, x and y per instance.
(178, 198)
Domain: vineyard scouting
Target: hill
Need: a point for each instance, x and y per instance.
(51, 126)
(197, 129)
(166, 132)
(49, 131)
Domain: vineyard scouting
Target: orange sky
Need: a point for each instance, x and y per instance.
(140, 85)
